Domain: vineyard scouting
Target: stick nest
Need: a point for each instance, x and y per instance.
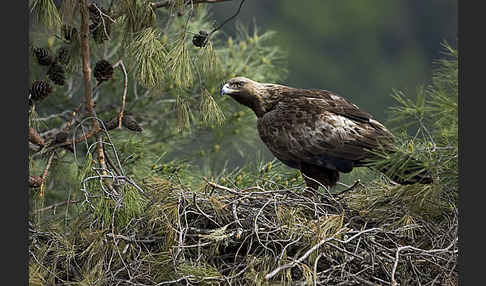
(218, 235)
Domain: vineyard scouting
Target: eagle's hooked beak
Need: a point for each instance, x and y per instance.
(225, 89)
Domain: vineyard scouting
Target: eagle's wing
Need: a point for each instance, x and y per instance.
(327, 131)
(336, 104)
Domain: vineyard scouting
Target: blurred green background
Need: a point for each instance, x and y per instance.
(361, 50)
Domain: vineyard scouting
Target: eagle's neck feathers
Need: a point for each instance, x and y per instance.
(266, 97)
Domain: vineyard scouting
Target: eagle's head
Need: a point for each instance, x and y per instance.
(253, 94)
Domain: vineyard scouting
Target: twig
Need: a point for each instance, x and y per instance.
(397, 255)
(214, 185)
(57, 205)
(52, 116)
(184, 278)
(125, 88)
(102, 16)
(132, 239)
(44, 175)
(101, 159)
(312, 249)
(349, 188)
(227, 20)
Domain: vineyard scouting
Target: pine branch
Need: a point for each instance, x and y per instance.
(85, 54)
(58, 205)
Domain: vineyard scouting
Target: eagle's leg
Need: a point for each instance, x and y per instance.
(312, 184)
(324, 176)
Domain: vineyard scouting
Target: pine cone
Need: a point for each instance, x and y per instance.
(94, 13)
(43, 57)
(129, 122)
(103, 70)
(40, 89)
(56, 73)
(200, 40)
(35, 181)
(63, 56)
(61, 137)
(98, 32)
(99, 23)
(112, 124)
(69, 32)
(35, 138)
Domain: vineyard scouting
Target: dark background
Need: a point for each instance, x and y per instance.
(361, 50)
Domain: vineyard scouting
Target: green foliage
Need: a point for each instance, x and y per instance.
(45, 13)
(138, 16)
(120, 213)
(434, 150)
(209, 109)
(191, 199)
(434, 114)
(180, 67)
(148, 56)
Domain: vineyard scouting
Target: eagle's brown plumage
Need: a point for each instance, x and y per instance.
(315, 131)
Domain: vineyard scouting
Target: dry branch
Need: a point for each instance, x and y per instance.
(44, 175)
(125, 88)
(53, 206)
(275, 235)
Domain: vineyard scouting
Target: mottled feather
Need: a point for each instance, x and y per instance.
(315, 131)
(327, 131)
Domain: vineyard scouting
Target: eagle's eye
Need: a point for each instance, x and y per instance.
(237, 84)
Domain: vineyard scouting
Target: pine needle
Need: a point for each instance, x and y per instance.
(138, 16)
(207, 58)
(183, 114)
(149, 56)
(68, 10)
(176, 6)
(73, 59)
(180, 64)
(210, 110)
(45, 12)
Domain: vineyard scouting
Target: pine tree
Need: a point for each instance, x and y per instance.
(130, 174)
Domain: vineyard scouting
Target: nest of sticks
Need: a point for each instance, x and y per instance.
(219, 235)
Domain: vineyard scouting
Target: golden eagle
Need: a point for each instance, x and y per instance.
(315, 131)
